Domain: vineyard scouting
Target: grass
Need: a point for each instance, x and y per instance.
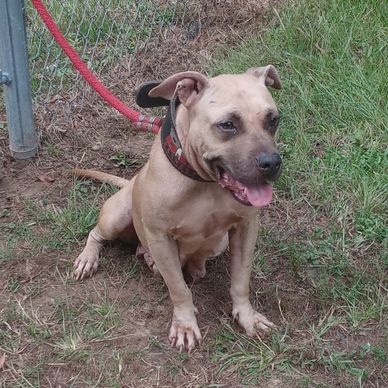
(334, 130)
(53, 227)
(257, 360)
(320, 268)
(332, 60)
(123, 160)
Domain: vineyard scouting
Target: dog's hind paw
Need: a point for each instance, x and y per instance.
(197, 269)
(85, 266)
(142, 253)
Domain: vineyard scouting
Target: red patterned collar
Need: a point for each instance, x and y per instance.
(172, 147)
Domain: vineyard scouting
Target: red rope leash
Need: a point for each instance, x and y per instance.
(146, 123)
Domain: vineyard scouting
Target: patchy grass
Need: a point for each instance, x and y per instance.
(319, 270)
(50, 226)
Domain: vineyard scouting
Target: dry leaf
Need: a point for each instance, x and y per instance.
(322, 51)
(46, 179)
(2, 361)
(54, 99)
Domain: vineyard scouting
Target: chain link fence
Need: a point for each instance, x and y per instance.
(105, 34)
(124, 42)
(109, 35)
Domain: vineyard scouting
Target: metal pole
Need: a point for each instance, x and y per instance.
(14, 75)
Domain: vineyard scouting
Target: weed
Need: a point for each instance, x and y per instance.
(155, 342)
(125, 161)
(14, 233)
(249, 357)
(52, 149)
(38, 331)
(13, 284)
(133, 269)
(101, 319)
(132, 355)
(72, 346)
(62, 226)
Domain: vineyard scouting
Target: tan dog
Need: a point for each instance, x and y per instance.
(226, 126)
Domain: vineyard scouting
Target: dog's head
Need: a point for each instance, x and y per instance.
(232, 124)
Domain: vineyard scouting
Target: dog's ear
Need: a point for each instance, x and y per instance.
(187, 85)
(268, 74)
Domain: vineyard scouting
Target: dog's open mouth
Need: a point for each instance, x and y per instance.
(257, 195)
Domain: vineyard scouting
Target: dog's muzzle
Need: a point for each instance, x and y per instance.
(269, 165)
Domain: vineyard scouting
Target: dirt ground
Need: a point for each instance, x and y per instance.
(111, 329)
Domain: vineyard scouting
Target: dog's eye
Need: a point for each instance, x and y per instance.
(228, 126)
(273, 122)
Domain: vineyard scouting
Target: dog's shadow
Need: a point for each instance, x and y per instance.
(211, 294)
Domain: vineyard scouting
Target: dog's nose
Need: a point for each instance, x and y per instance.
(269, 164)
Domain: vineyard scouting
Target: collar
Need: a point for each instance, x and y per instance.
(172, 147)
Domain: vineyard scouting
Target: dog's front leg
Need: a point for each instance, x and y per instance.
(242, 245)
(184, 332)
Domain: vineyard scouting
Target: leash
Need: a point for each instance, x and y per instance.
(170, 141)
(142, 122)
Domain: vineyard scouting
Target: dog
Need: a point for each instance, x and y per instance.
(210, 169)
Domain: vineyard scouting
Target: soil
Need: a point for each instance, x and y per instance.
(80, 130)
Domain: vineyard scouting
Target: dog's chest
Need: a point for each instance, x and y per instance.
(203, 232)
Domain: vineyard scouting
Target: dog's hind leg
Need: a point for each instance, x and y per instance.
(115, 222)
(144, 254)
(196, 267)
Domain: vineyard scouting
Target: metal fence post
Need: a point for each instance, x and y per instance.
(15, 77)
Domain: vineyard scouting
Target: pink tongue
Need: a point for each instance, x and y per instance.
(260, 195)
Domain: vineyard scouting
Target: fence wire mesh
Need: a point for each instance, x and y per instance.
(104, 33)
(120, 39)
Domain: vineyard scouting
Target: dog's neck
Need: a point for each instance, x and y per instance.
(176, 146)
(192, 154)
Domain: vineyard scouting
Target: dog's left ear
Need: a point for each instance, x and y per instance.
(268, 74)
(188, 85)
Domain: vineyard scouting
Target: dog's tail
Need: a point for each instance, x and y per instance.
(100, 176)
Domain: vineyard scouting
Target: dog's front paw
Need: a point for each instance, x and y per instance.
(251, 320)
(184, 333)
(86, 265)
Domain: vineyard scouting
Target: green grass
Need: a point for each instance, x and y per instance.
(334, 127)
(52, 227)
(331, 56)
(74, 221)
(126, 161)
(256, 360)
(82, 326)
